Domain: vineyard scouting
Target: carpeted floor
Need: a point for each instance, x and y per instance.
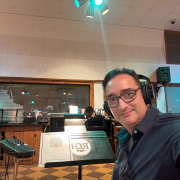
(32, 172)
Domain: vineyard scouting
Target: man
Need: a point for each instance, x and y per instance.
(149, 143)
(48, 108)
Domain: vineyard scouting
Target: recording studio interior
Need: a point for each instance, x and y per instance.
(54, 55)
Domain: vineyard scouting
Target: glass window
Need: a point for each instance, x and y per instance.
(17, 99)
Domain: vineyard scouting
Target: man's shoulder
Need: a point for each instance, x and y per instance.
(168, 120)
(168, 116)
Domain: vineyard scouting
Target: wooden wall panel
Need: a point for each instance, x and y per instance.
(37, 139)
(28, 139)
(8, 135)
(20, 136)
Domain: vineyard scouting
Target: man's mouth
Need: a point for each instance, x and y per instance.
(127, 113)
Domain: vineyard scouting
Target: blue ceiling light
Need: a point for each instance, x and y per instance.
(79, 2)
(33, 102)
(98, 2)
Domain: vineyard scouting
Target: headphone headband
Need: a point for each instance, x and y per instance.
(144, 77)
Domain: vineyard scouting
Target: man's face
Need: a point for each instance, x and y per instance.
(131, 113)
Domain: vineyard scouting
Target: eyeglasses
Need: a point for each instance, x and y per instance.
(126, 97)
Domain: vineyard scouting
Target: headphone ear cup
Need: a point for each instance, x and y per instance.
(145, 93)
(106, 108)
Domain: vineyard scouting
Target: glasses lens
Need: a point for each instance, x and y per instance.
(112, 102)
(128, 96)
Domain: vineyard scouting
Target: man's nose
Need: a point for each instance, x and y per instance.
(122, 105)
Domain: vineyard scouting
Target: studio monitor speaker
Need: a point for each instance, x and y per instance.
(57, 124)
(163, 75)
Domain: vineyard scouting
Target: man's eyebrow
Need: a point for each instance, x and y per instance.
(125, 90)
(114, 95)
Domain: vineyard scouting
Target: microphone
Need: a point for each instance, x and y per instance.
(88, 111)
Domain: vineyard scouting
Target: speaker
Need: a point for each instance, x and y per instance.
(57, 124)
(29, 117)
(163, 74)
(94, 124)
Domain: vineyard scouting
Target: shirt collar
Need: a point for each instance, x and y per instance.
(148, 120)
(123, 135)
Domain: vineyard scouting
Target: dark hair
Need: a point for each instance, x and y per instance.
(116, 72)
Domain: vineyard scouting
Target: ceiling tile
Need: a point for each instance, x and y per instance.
(176, 28)
(117, 12)
(46, 5)
(147, 25)
(24, 11)
(163, 26)
(144, 4)
(178, 24)
(121, 2)
(49, 14)
(70, 16)
(134, 14)
(68, 6)
(171, 16)
(6, 3)
(154, 17)
(27, 4)
(176, 10)
(109, 20)
(7, 10)
(128, 23)
(86, 19)
(166, 5)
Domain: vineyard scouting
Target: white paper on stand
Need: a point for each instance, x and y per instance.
(54, 147)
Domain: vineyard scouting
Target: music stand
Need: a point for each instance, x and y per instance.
(92, 147)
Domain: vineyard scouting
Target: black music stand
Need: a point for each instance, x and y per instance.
(101, 152)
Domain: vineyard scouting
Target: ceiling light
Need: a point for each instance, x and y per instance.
(90, 11)
(80, 2)
(103, 8)
(24, 92)
(98, 2)
(32, 102)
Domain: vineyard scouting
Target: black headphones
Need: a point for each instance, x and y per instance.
(147, 92)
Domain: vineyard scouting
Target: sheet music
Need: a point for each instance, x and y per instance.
(54, 147)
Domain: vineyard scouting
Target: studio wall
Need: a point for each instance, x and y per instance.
(42, 47)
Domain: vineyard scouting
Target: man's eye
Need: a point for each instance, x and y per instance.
(112, 99)
(129, 94)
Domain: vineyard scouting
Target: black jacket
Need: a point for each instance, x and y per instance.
(155, 154)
